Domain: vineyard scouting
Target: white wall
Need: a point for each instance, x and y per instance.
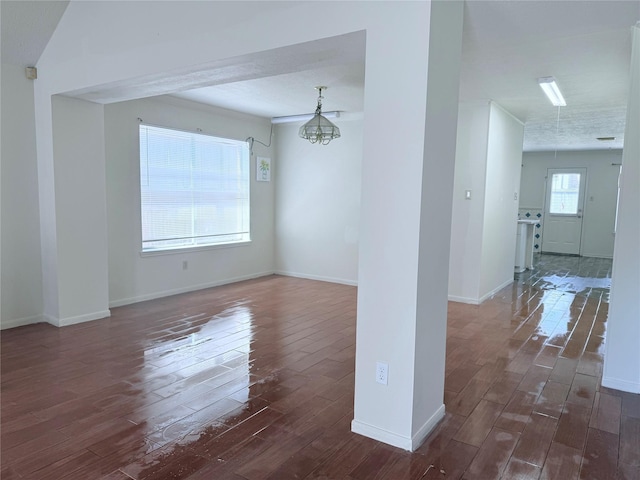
(185, 38)
(601, 193)
(483, 231)
(318, 204)
(468, 215)
(80, 198)
(502, 188)
(622, 355)
(133, 277)
(441, 119)
(21, 268)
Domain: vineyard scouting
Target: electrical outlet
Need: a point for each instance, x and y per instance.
(185, 264)
(382, 372)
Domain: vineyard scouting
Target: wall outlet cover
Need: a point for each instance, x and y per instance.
(382, 372)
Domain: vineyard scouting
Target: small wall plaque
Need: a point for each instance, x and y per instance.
(263, 169)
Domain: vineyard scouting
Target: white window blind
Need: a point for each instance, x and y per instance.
(194, 189)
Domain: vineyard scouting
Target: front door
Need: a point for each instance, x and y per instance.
(563, 210)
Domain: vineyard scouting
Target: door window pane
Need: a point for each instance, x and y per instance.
(565, 190)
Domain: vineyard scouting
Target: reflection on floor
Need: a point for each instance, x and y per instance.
(585, 276)
(255, 381)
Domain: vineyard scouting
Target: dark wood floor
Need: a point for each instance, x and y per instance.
(255, 381)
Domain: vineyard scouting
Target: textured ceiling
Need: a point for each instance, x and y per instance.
(507, 45)
(586, 46)
(270, 83)
(27, 27)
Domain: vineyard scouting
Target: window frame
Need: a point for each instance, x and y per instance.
(246, 179)
(565, 192)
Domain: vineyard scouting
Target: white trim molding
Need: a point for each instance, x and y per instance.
(406, 443)
(424, 431)
(191, 288)
(21, 322)
(467, 300)
(619, 384)
(87, 317)
(478, 301)
(381, 435)
(320, 278)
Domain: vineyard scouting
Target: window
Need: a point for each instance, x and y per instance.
(565, 191)
(194, 189)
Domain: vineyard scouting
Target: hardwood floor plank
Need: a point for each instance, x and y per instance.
(583, 390)
(519, 470)
(630, 405)
(516, 413)
(535, 380)
(8, 473)
(374, 464)
(343, 461)
(564, 371)
(562, 463)
(254, 381)
(453, 461)
(465, 401)
(283, 447)
(548, 356)
(460, 377)
(236, 457)
(478, 425)
(600, 458)
(215, 445)
(573, 426)
(34, 445)
(67, 466)
(630, 441)
(493, 456)
(552, 399)
(606, 413)
(535, 439)
(502, 390)
(628, 472)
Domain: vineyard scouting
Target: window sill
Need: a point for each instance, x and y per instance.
(182, 250)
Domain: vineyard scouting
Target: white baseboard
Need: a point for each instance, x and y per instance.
(343, 281)
(406, 443)
(478, 301)
(381, 435)
(88, 317)
(495, 290)
(20, 322)
(470, 301)
(191, 288)
(623, 385)
(424, 431)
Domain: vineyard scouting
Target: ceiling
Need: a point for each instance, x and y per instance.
(507, 45)
(27, 27)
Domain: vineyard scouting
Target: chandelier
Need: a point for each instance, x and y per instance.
(319, 129)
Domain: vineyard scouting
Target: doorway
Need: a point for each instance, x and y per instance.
(564, 206)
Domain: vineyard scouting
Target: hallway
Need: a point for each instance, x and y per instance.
(585, 276)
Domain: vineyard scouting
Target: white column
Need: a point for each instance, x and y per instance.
(81, 210)
(622, 356)
(407, 183)
(71, 177)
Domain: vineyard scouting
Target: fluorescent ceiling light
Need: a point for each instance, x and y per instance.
(304, 117)
(550, 88)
